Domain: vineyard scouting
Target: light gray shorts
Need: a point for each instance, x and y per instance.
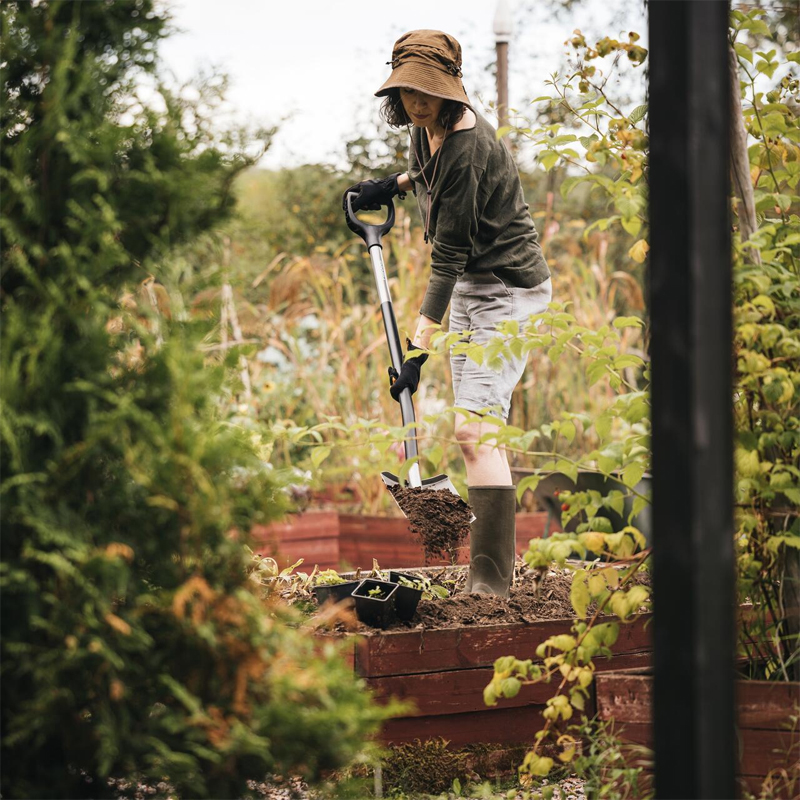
(479, 302)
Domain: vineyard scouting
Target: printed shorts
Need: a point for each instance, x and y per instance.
(479, 302)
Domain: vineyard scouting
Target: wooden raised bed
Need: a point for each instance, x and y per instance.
(334, 540)
(768, 740)
(389, 540)
(443, 672)
(312, 536)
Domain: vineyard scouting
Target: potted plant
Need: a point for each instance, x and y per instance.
(330, 586)
(375, 602)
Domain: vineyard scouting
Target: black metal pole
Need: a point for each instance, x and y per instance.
(690, 310)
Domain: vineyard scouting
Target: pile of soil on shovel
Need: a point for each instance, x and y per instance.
(439, 518)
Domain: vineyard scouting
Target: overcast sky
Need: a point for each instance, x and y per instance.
(312, 66)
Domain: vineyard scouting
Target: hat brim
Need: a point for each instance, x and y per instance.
(428, 79)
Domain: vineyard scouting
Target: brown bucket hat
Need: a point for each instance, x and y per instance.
(429, 61)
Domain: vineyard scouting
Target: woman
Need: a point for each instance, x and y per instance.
(486, 264)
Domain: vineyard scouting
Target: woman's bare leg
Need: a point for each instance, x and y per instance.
(488, 464)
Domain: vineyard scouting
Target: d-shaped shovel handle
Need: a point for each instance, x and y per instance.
(371, 234)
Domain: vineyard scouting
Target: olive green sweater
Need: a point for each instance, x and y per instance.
(479, 218)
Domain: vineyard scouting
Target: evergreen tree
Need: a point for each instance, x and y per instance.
(133, 642)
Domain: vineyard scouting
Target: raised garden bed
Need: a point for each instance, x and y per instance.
(769, 740)
(334, 540)
(443, 668)
(312, 536)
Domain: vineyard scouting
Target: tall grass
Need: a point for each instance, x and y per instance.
(322, 351)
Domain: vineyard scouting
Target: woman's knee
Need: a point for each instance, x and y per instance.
(467, 436)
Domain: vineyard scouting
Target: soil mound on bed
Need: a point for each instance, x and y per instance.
(439, 518)
(535, 596)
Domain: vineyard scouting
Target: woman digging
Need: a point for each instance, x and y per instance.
(486, 264)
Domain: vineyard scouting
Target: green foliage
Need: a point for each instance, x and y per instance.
(422, 767)
(608, 767)
(767, 350)
(133, 641)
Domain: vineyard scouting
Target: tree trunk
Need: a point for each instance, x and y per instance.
(740, 162)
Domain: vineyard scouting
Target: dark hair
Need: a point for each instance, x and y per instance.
(394, 113)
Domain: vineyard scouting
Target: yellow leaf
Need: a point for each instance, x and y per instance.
(119, 550)
(118, 624)
(592, 540)
(638, 251)
(567, 755)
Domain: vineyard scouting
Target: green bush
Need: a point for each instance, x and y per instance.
(133, 642)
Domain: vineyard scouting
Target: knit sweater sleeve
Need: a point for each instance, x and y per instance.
(456, 227)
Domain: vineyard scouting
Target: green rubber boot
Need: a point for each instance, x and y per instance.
(492, 539)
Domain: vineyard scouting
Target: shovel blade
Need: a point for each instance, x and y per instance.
(437, 482)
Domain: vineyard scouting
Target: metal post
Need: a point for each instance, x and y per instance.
(690, 307)
(503, 27)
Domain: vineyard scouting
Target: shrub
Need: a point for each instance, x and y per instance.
(133, 641)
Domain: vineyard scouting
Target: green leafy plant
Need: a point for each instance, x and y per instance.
(134, 643)
(328, 577)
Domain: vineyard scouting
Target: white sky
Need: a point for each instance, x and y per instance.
(312, 66)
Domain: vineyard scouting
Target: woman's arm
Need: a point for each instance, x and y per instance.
(425, 329)
(404, 183)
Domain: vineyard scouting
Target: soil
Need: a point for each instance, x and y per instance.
(535, 595)
(439, 518)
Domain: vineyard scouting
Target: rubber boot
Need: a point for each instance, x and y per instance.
(492, 539)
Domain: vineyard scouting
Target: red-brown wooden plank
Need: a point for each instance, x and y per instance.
(419, 650)
(766, 704)
(760, 751)
(491, 726)
(760, 704)
(457, 692)
(312, 536)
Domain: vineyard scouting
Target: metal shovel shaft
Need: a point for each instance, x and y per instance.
(396, 354)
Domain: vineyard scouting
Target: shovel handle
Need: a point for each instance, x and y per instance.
(371, 234)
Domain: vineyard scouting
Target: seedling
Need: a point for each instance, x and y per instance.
(329, 577)
(423, 584)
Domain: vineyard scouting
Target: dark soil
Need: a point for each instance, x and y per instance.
(535, 596)
(439, 518)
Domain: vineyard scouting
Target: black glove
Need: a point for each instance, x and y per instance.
(409, 372)
(374, 193)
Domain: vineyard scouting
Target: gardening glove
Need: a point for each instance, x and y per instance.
(409, 372)
(373, 194)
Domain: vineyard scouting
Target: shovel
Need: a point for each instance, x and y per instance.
(371, 234)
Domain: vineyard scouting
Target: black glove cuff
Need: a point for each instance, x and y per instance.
(394, 186)
(421, 359)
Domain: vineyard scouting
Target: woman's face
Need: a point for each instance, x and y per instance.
(422, 109)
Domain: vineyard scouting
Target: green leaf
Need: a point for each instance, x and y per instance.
(435, 454)
(639, 504)
(569, 469)
(632, 225)
(637, 114)
(319, 454)
(548, 159)
(632, 474)
(756, 26)
(628, 322)
(568, 430)
(528, 482)
(744, 51)
(510, 687)
(579, 593)
(603, 425)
